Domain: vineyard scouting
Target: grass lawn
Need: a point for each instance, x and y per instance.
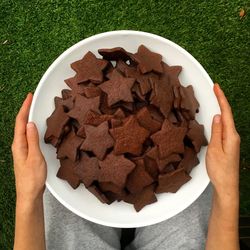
(34, 33)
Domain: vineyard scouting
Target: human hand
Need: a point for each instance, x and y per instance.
(222, 158)
(29, 164)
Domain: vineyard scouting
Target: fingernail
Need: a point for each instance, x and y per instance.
(30, 125)
(29, 94)
(216, 85)
(217, 118)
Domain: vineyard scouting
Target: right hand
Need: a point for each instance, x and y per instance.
(223, 153)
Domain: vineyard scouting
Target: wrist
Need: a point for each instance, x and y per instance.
(225, 209)
(29, 196)
(226, 194)
(226, 203)
(28, 204)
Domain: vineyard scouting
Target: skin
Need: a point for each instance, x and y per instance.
(30, 174)
(222, 161)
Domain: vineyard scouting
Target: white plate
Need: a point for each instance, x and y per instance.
(80, 201)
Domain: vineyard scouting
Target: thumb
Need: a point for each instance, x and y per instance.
(32, 139)
(216, 135)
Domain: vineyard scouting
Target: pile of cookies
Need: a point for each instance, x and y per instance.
(126, 127)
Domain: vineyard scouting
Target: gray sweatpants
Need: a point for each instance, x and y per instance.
(67, 231)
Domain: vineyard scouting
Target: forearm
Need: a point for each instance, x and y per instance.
(223, 222)
(29, 230)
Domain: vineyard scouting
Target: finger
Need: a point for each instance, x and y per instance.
(20, 142)
(33, 140)
(226, 112)
(216, 135)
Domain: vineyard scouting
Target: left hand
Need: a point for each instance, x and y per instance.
(29, 164)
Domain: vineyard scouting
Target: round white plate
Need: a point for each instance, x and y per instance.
(82, 202)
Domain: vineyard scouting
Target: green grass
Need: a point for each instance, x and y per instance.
(34, 33)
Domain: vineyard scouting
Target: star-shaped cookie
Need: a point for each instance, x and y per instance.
(66, 173)
(143, 80)
(196, 135)
(82, 106)
(87, 169)
(104, 107)
(115, 54)
(146, 120)
(188, 101)
(89, 68)
(169, 139)
(147, 60)
(162, 96)
(98, 139)
(67, 104)
(95, 119)
(110, 187)
(171, 74)
(121, 66)
(55, 125)
(140, 200)
(69, 146)
(138, 178)
(171, 182)
(118, 88)
(76, 88)
(162, 163)
(115, 169)
(129, 137)
(189, 160)
(98, 194)
(151, 167)
(92, 91)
